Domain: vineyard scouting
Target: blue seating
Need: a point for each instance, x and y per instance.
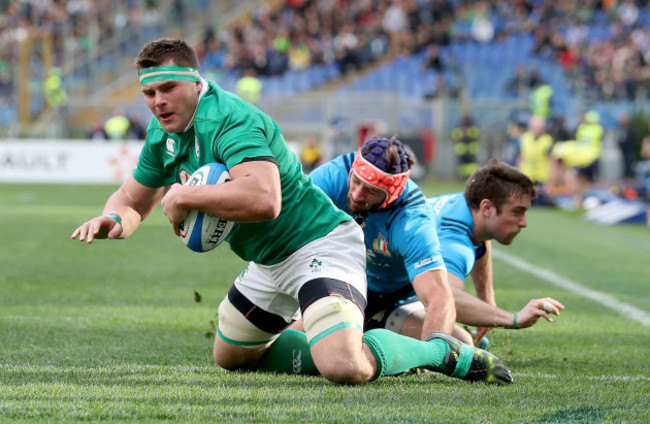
(8, 115)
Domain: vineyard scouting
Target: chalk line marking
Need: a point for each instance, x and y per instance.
(604, 299)
(587, 377)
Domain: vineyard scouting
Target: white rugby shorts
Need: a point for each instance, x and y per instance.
(340, 255)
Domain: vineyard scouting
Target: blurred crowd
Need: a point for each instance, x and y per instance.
(278, 36)
(74, 28)
(295, 34)
(566, 163)
(608, 68)
(298, 33)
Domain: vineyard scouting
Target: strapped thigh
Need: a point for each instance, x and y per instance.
(243, 324)
(328, 305)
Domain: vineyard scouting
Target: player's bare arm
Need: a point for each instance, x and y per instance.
(435, 294)
(254, 194)
(482, 276)
(471, 310)
(123, 212)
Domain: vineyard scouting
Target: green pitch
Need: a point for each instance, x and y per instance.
(113, 331)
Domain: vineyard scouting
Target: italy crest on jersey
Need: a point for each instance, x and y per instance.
(380, 245)
(183, 176)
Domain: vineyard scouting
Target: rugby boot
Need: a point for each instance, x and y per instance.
(483, 366)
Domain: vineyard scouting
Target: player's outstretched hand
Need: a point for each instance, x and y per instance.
(536, 309)
(480, 332)
(100, 227)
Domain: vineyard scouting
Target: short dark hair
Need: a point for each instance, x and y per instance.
(157, 52)
(497, 181)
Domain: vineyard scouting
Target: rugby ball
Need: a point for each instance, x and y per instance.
(199, 231)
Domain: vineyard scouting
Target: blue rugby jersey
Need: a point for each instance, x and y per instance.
(456, 233)
(401, 240)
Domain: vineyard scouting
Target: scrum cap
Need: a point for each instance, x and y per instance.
(375, 168)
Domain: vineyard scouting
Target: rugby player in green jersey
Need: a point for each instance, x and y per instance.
(306, 256)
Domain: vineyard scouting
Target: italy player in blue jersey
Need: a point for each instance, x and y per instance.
(402, 249)
(492, 207)
(402, 252)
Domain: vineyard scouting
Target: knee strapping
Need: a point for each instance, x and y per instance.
(235, 329)
(330, 314)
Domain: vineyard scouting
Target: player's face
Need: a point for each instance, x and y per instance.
(363, 197)
(505, 226)
(172, 102)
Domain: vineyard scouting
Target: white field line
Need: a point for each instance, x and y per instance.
(587, 377)
(604, 299)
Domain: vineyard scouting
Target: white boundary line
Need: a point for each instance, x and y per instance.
(587, 377)
(604, 299)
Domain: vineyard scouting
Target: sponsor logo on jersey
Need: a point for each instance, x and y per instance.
(315, 265)
(425, 262)
(196, 146)
(171, 147)
(184, 176)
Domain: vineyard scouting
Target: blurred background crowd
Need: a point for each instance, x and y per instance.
(517, 79)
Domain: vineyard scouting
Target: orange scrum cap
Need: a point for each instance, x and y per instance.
(373, 168)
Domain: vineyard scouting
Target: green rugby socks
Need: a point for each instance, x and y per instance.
(289, 354)
(396, 353)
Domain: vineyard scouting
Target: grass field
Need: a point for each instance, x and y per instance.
(112, 331)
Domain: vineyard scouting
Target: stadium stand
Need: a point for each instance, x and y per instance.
(593, 57)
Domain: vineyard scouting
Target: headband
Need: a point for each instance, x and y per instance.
(391, 184)
(167, 73)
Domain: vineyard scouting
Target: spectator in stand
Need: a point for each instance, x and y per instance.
(516, 127)
(643, 171)
(137, 131)
(627, 143)
(628, 13)
(558, 130)
(534, 157)
(466, 146)
(299, 53)
(577, 33)
(575, 163)
(523, 80)
(395, 24)
(117, 126)
(97, 132)
(311, 154)
(5, 76)
(482, 26)
(249, 87)
(539, 100)
(432, 58)
(347, 48)
(55, 94)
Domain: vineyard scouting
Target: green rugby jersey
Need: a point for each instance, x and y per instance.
(228, 130)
